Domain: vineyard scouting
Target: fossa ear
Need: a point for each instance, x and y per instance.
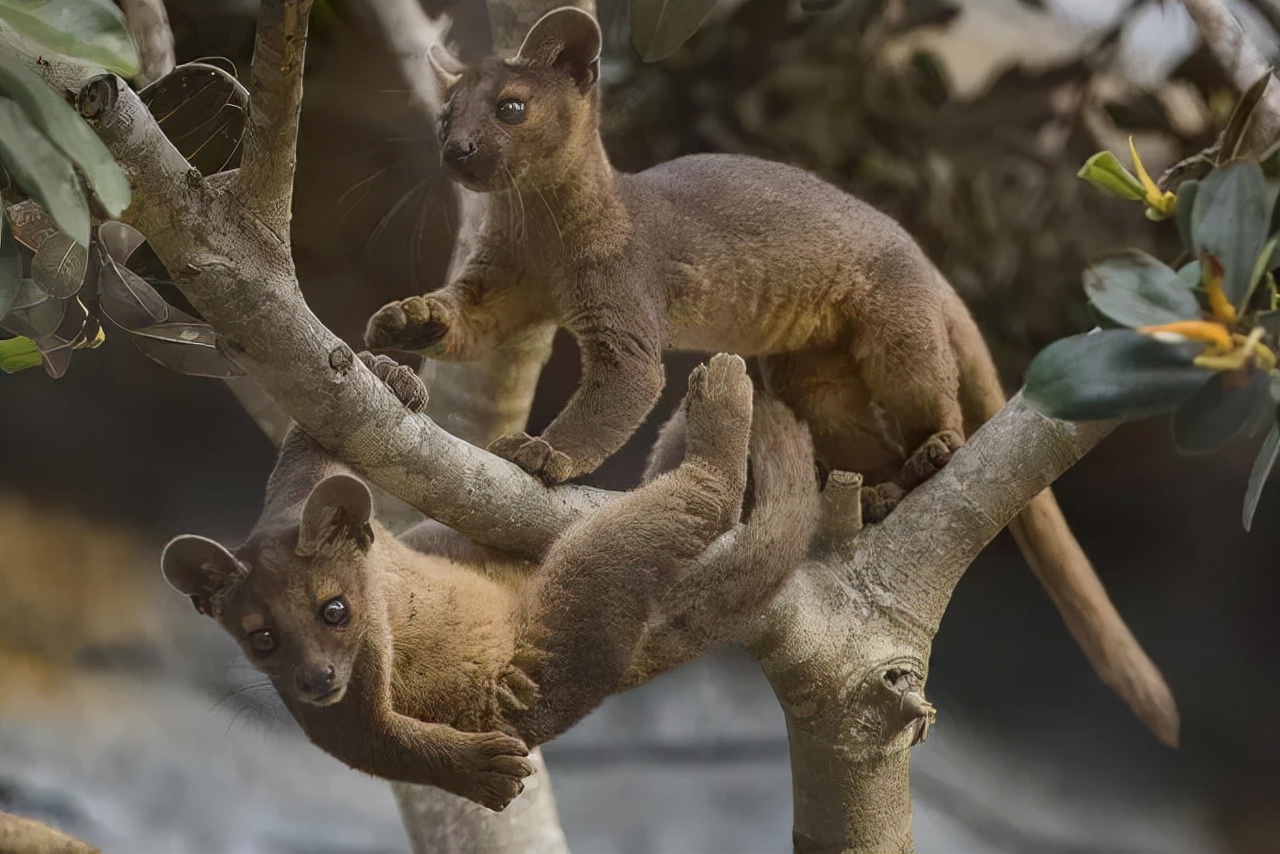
(567, 39)
(339, 505)
(446, 67)
(201, 569)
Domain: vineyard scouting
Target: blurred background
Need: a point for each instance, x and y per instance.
(128, 721)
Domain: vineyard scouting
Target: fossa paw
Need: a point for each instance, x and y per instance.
(534, 455)
(403, 381)
(418, 324)
(492, 768)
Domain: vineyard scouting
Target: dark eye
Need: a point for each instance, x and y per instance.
(511, 111)
(262, 641)
(335, 612)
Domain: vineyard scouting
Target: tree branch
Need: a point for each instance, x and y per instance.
(242, 281)
(1244, 65)
(265, 182)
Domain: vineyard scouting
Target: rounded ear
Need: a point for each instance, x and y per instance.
(200, 568)
(339, 504)
(444, 65)
(567, 39)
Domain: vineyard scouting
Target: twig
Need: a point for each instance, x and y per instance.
(149, 24)
(1243, 64)
(265, 183)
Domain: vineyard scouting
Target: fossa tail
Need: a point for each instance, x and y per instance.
(1047, 543)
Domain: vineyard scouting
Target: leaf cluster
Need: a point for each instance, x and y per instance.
(1198, 338)
(56, 293)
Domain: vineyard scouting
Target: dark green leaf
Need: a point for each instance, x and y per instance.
(1135, 289)
(85, 32)
(18, 354)
(55, 348)
(62, 124)
(188, 348)
(1262, 467)
(1241, 117)
(1186, 203)
(10, 267)
(1273, 226)
(660, 27)
(34, 313)
(60, 265)
(31, 224)
(1270, 321)
(1114, 373)
(43, 171)
(127, 299)
(1229, 221)
(203, 111)
(1218, 412)
(1189, 274)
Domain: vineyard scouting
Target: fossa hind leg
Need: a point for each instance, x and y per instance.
(603, 577)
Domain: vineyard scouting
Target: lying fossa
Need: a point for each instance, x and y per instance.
(430, 660)
(854, 328)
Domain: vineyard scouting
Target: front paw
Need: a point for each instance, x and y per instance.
(492, 767)
(419, 324)
(403, 381)
(534, 455)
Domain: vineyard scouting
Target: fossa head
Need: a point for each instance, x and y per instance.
(295, 597)
(522, 122)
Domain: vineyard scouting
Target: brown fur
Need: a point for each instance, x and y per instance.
(855, 328)
(456, 657)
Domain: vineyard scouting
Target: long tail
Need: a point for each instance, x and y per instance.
(1064, 570)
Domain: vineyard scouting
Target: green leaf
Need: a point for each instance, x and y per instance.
(1229, 221)
(43, 171)
(1219, 411)
(55, 117)
(1260, 267)
(185, 347)
(1105, 172)
(660, 27)
(18, 354)
(1186, 203)
(1262, 467)
(1241, 116)
(1134, 289)
(85, 32)
(1114, 373)
(60, 266)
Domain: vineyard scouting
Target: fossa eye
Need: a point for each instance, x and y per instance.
(263, 642)
(335, 612)
(511, 111)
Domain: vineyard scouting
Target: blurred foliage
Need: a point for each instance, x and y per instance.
(55, 292)
(1199, 338)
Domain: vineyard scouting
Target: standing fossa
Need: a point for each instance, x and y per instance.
(854, 328)
(430, 660)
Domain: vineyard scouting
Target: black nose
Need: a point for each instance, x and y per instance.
(458, 151)
(316, 679)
